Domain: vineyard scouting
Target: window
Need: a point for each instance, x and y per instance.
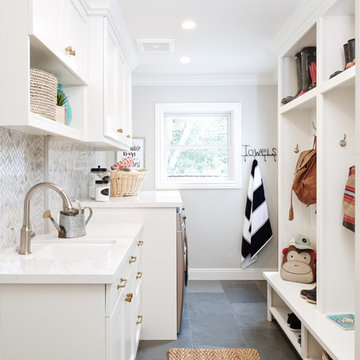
(198, 145)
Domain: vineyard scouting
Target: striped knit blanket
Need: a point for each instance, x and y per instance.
(349, 201)
(257, 230)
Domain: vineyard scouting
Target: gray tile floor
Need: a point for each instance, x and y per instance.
(225, 314)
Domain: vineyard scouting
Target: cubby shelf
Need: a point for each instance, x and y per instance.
(39, 125)
(280, 315)
(340, 344)
(303, 102)
(346, 79)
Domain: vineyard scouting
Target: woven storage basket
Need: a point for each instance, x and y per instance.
(43, 93)
(126, 183)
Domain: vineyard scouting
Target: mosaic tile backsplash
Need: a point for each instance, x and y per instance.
(22, 159)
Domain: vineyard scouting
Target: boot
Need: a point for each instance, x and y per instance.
(303, 293)
(298, 74)
(348, 62)
(351, 45)
(308, 56)
(311, 296)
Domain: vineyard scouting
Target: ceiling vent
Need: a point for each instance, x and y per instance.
(156, 45)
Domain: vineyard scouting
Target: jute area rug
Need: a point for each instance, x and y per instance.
(213, 354)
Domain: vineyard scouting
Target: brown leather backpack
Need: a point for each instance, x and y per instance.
(304, 184)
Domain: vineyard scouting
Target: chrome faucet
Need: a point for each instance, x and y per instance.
(25, 234)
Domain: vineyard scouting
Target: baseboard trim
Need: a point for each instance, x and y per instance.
(227, 273)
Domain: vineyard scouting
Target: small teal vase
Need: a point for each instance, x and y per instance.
(66, 105)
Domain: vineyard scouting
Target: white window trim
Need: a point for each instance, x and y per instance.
(161, 182)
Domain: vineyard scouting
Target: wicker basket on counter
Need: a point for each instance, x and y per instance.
(126, 183)
(43, 93)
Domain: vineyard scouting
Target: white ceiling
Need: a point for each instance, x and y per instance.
(232, 37)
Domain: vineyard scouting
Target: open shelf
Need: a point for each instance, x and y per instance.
(346, 79)
(338, 343)
(306, 101)
(41, 57)
(280, 315)
(39, 125)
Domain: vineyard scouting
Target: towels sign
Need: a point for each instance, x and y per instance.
(250, 151)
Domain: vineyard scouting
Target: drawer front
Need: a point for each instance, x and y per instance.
(127, 273)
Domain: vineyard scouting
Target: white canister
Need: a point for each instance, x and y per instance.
(102, 190)
(95, 174)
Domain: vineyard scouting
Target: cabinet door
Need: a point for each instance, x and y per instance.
(127, 117)
(77, 35)
(113, 85)
(116, 332)
(48, 23)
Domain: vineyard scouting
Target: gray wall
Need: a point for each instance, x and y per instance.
(215, 217)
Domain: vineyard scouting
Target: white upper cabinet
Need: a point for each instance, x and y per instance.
(109, 105)
(61, 26)
(116, 88)
(48, 22)
(77, 36)
(91, 57)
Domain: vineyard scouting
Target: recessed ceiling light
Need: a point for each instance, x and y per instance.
(188, 24)
(185, 60)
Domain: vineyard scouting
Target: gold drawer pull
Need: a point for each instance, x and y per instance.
(128, 136)
(72, 52)
(120, 130)
(132, 259)
(139, 320)
(129, 297)
(140, 243)
(139, 275)
(68, 48)
(123, 282)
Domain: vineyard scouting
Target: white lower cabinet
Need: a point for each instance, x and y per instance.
(74, 321)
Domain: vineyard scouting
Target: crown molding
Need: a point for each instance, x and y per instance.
(201, 80)
(298, 24)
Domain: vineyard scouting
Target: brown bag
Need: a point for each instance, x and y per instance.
(304, 184)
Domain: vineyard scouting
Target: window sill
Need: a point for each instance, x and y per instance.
(193, 186)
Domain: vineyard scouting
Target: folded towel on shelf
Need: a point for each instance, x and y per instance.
(257, 230)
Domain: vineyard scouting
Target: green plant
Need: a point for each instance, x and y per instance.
(62, 99)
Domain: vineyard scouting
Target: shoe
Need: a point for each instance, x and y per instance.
(304, 292)
(293, 322)
(311, 296)
(291, 318)
(295, 325)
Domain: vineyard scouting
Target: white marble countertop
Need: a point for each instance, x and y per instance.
(91, 259)
(143, 199)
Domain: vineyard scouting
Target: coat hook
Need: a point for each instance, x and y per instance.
(296, 150)
(313, 125)
(343, 142)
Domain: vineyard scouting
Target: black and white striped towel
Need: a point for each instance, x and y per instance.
(257, 228)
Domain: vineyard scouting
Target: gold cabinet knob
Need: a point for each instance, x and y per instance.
(120, 130)
(68, 48)
(128, 297)
(128, 136)
(140, 243)
(72, 52)
(132, 259)
(139, 320)
(139, 275)
(122, 284)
